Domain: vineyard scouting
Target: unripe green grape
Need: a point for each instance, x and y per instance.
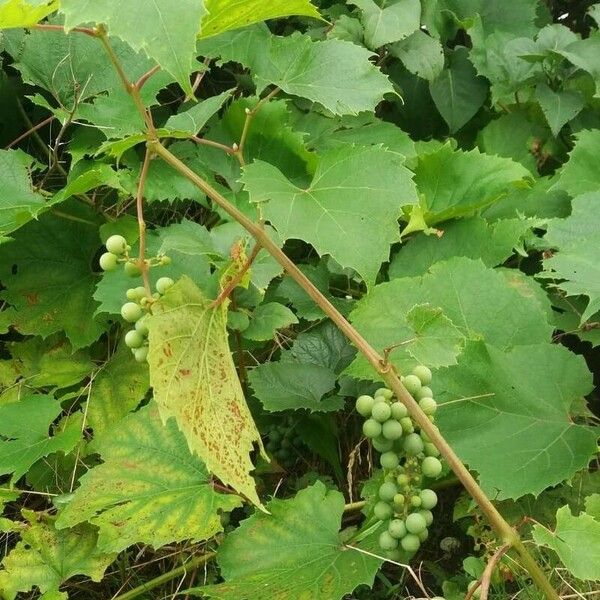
(410, 542)
(371, 428)
(415, 523)
(431, 467)
(397, 528)
(382, 511)
(132, 294)
(402, 480)
(391, 430)
(134, 339)
(407, 425)
(427, 515)
(165, 260)
(389, 460)
(364, 404)
(413, 444)
(438, 598)
(141, 353)
(431, 450)
(387, 491)
(116, 244)
(163, 284)
(108, 261)
(423, 373)
(399, 501)
(423, 535)
(412, 383)
(399, 411)
(382, 445)
(429, 499)
(387, 394)
(415, 501)
(142, 327)
(381, 412)
(131, 312)
(424, 392)
(132, 269)
(387, 542)
(395, 555)
(428, 405)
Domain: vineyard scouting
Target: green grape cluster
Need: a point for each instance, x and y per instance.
(138, 302)
(283, 443)
(408, 459)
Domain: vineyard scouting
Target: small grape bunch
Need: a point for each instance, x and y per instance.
(135, 310)
(118, 253)
(408, 459)
(284, 443)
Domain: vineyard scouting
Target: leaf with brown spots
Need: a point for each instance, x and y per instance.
(295, 553)
(194, 380)
(149, 489)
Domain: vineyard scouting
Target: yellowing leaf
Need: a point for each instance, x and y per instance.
(224, 15)
(194, 380)
(24, 13)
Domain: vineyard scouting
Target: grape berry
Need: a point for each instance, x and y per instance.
(283, 443)
(407, 458)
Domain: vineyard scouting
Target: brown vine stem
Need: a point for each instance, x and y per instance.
(142, 264)
(60, 28)
(30, 131)
(486, 577)
(505, 532)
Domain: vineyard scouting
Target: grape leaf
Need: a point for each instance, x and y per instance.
(392, 22)
(458, 92)
(515, 404)
(192, 120)
(47, 271)
(421, 54)
(194, 380)
(294, 553)
(594, 12)
(480, 303)
(25, 13)
(20, 202)
(223, 15)
(472, 238)
(576, 540)
(267, 319)
(294, 385)
(115, 390)
(579, 174)
(558, 107)
(149, 489)
(138, 23)
(46, 558)
(335, 73)
(580, 227)
(454, 183)
(24, 434)
(584, 54)
(344, 202)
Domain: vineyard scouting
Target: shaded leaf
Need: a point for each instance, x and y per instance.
(421, 54)
(558, 107)
(267, 319)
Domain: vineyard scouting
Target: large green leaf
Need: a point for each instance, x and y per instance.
(458, 92)
(558, 107)
(137, 22)
(24, 434)
(149, 489)
(454, 183)
(19, 202)
(480, 303)
(194, 380)
(47, 271)
(45, 558)
(293, 554)
(506, 414)
(223, 15)
(579, 174)
(115, 390)
(421, 54)
(25, 13)
(356, 194)
(335, 73)
(584, 54)
(576, 540)
(392, 22)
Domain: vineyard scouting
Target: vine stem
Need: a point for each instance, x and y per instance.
(193, 563)
(142, 264)
(506, 533)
